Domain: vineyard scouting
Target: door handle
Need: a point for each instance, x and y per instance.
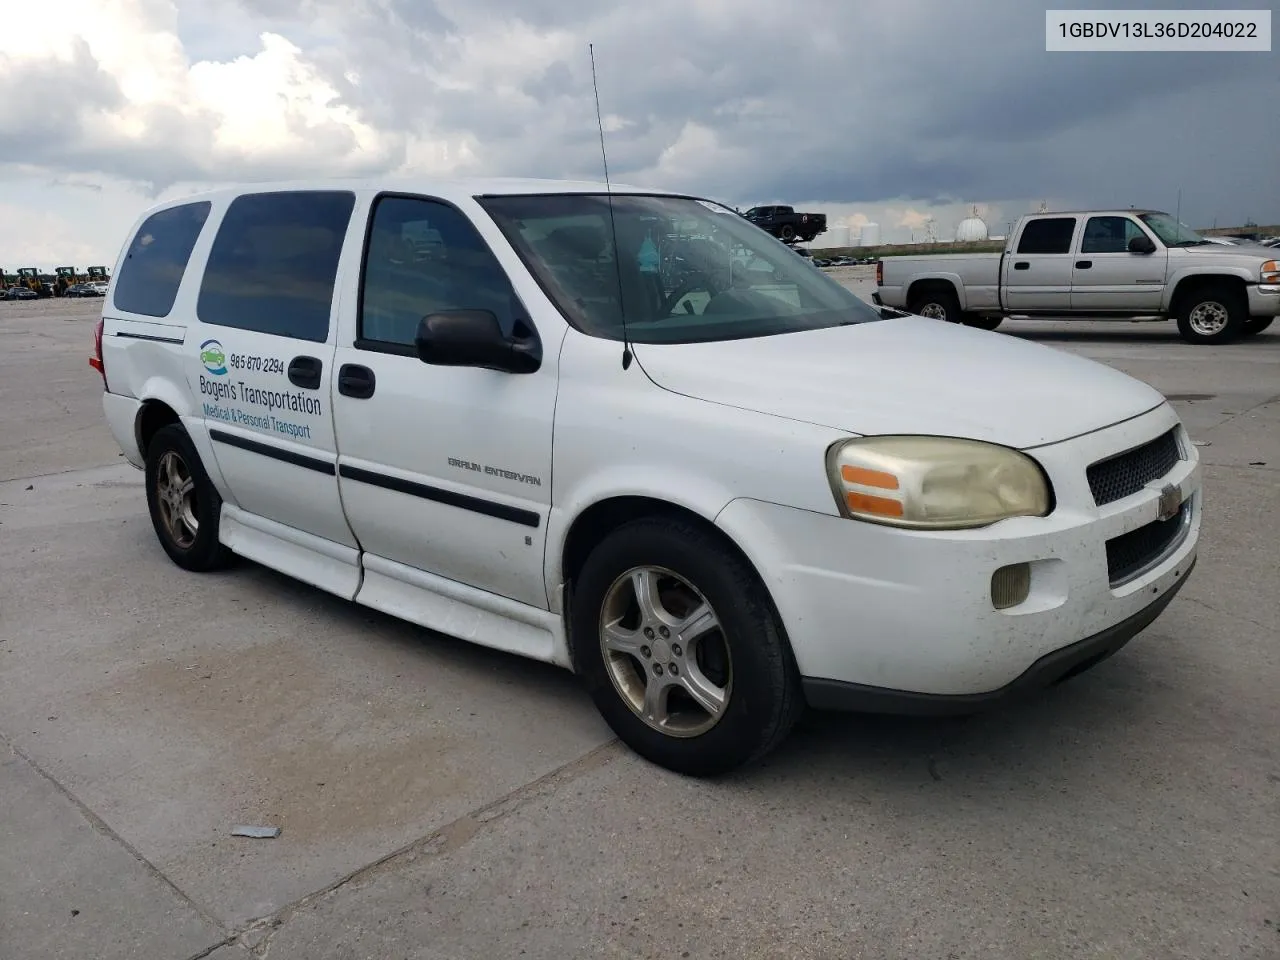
(356, 381)
(305, 372)
(1083, 264)
(1022, 265)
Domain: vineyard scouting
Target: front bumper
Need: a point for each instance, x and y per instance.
(897, 615)
(1264, 300)
(1051, 669)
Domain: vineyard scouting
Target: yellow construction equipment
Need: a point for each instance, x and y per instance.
(66, 277)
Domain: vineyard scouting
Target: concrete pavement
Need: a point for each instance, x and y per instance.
(443, 801)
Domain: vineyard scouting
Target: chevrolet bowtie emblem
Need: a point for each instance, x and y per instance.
(1170, 502)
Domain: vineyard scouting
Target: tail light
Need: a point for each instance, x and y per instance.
(96, 360)
(879, 273)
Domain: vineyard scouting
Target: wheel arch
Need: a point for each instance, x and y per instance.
(949, 283)
(153, 415)
(1188, 284)
(601, 518)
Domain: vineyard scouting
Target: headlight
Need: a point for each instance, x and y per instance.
(1271, 271)
(934, 483)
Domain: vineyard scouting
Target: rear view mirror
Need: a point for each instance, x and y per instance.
(1141, 244)
(474, 338)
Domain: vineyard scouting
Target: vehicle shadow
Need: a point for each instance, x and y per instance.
(1100, 708)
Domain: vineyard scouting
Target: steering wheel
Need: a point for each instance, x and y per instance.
(697, 281)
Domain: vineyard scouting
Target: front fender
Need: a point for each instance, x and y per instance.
(1199, 274)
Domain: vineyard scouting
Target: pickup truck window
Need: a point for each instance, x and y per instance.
(1109, 235)
(157, 258)
(274, 262)
(423, 257)
(715, 276)
(1050, 235)
(1171, 232)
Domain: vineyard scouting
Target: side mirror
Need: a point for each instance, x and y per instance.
(1141, 244)
(474, 338)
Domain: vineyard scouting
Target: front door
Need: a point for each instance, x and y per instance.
(1038, 274)
(262, 366)
(1106, 276)
(445, 470)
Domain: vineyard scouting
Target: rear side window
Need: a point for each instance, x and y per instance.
(152, 271)
(1052, 235)
(274, 262)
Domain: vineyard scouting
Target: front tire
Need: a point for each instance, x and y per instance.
(184, 505)
(1212, 315)
(680, 649)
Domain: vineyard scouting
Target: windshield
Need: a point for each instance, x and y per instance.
(689, 271)
(1171, 232)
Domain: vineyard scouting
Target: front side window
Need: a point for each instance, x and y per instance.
(424, 257)
(274, 263)
(149, 278)
(1109, 235)
(674, 269)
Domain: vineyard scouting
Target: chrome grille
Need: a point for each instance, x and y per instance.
(1125, 474)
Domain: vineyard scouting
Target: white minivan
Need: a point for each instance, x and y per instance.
(629, 433)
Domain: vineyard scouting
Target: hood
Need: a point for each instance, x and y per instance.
(906, 375)
(1241, 251)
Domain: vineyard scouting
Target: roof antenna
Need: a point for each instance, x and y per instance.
(613, 225)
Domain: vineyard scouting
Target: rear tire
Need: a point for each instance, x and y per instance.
(981, 322)
(1212, 314)
(1256, 325)
(734, 693)
(185, 507)
(937, 303)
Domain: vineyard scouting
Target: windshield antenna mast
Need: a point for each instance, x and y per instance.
(613, 225)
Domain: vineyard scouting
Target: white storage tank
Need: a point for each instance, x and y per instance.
(834, 237)
(971, 229)
(869, 236)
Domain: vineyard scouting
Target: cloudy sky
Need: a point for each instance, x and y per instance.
(893, 111)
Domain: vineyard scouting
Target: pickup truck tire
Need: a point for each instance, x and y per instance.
(184, 505)
(935, 302)
(1212, 314)
(679, 647)
(1256, 325)
(787, 233)
(981, 322)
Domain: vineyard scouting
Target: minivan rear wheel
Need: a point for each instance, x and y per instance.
(184, 505)
(680, 649)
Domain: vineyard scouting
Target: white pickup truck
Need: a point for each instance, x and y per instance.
(1096, 265)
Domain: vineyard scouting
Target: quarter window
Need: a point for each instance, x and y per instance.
(157, 258)
(274, 262)
(425, 257)
(1050, 235)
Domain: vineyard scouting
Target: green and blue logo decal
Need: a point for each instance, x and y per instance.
(213, 357)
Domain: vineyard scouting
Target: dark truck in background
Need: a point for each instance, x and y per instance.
(787, 225)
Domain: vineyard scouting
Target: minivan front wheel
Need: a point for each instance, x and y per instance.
(184, 505)
(679, 649)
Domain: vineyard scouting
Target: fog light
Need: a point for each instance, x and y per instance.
(1010, 585)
